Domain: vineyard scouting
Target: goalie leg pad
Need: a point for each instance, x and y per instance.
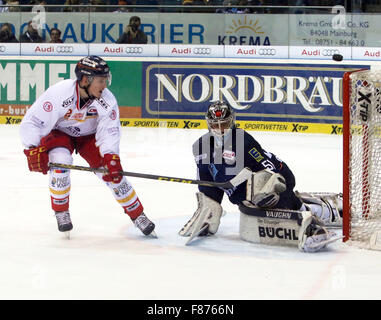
(212, 217)
(281, 227)
(263, 188)
(328, 207)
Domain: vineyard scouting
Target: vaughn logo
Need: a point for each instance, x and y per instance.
(244, 31)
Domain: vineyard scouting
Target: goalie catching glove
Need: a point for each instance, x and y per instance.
(211, 217)
(263, 188)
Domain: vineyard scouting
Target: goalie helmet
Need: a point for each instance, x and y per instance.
(92, 66)
(220, 117)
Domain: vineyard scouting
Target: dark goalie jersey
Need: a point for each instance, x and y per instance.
(221, 160)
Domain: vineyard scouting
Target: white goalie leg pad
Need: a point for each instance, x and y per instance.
(263, 188)
(211, 217)
(327, 207)
(313, 236)
(282, 227)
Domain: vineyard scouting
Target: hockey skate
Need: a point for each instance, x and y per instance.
(64, 222)
(145, 225)
(313, 236)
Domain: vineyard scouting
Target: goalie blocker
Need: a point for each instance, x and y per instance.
(281, 227)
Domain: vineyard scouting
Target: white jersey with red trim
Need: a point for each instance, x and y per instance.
(58, 108)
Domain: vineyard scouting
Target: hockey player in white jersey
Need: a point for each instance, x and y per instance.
(79, 115)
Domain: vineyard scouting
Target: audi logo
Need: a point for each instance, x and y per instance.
(133, 50)
(202, 51)
(267, 52)
(330, 52)
(2, 48)
(64, 49)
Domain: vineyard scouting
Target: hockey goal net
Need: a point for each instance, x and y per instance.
(362, 158)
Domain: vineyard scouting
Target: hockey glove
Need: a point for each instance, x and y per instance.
(38, 159)
(264, 187)
(112, 163)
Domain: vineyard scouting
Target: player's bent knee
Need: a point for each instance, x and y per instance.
(60, 155)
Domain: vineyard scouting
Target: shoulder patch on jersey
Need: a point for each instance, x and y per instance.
(103, 103)
(256, 155)
(113, 115)
(47, 106)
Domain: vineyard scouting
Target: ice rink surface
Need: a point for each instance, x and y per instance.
(108, 258)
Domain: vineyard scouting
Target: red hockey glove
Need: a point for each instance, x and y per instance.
(38, 159)
(112, 163)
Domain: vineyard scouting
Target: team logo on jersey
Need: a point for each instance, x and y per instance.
(47, 106)
(68, 102)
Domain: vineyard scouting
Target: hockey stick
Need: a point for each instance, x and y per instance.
(241, 177)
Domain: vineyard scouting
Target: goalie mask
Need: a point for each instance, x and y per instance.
(220, 117)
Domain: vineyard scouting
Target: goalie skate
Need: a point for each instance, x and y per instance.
(328, 241)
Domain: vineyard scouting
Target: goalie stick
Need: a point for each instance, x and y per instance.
(241, 177)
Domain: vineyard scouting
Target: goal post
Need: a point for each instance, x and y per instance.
(362, 158)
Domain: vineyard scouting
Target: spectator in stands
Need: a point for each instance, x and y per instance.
(150, 5)
(55, 36)
(73, 6)
(123, 3)
(202, 5)
(132, 33)
(14, 4)
(3, 8)
(235, 6)
(98, 5)
(6, 33)
(31, 34)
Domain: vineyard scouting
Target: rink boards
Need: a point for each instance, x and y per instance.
(334, 129)
(277, 95)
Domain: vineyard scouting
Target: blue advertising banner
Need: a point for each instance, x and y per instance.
(258, 92)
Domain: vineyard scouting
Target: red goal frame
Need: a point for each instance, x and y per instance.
(347, 158)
